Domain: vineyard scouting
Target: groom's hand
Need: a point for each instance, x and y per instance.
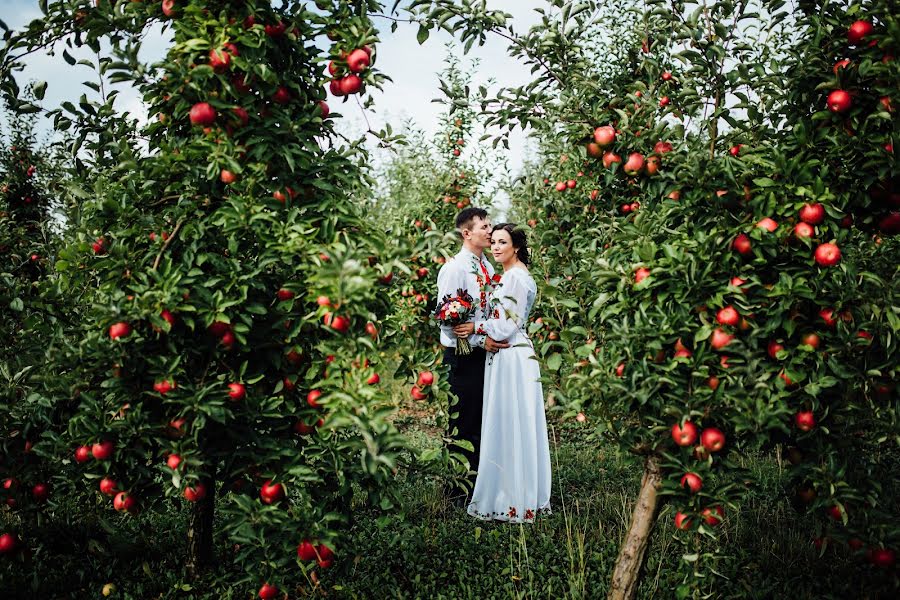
(464, 330)
(492, 345)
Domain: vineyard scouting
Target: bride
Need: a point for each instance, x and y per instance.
(513, 482)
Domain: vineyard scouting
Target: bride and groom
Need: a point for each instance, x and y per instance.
(501, 403)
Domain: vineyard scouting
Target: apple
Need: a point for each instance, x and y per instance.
(99, 246)
(634, 164)
(666, 76)
(641, 274)
(271, 493)
(684, 435)
(236, 391)
(323, 109)
(854, 544)
(728, 316)
(40, 492)
(417, 393)
(662, 147)
(594, 195)
(620, 369)
(840, 65)
(8, 543)
(594, 150)
(426, 378)
(203, 114)
(373, 379)
(195, 493)
(219, 60)
(119, 330)
(890, 223)
(812, 213)
(811, 339)
(835, 512)
(108, 486)
(167, 316)
(609, 158)
(165, 386)
(713, 383)
(351, 84)
(839, 101)
(173, 461)
(312, 398)
(681, 521)
(82, 454)
(735, 150)
(276, 30)
(880, 557)
(358, 60)
(103, 450)
(124, 502)
(281, 95)
(268, 591)
(338, 323)
(720, 338)
(827, 315)
(605, 135)
(804, 231)
(664, 101)
(767, 224)
(713, 516)
(712, 439)
(168, 7)
(827, 254)
(227, 340)
(742, 244)
(571, 184)
(805, 420)
(326, 556)
(284, 294)
(561, 186)
(227, 177)
(692, 481)
(306, 550)
(858, 31)
(652, 166)
(323, 301)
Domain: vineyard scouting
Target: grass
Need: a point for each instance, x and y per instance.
(434, 551)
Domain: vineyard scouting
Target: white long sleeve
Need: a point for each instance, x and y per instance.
(510, 311)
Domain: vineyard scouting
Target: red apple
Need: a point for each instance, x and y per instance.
(275, 30)
(108, 486)
(417, 394)
(426, 378)
(713, 383)
(202, 114)
(271, 493)
(858, 31)
(804, 230)
(839, 101)
(812, 213)
(605, 135)
(339, 323)
(124, 502)
(641, 274)
(692, 482)
(713, 516)
(173, 461)
(773, 349)
(227, 177)
(82, 454)
(373, 379)
(827, 315)
(880, 557)
(684, 435)
(720, 338)
(306, 550)
(840, 65)
(620, 369)
(358, 60)
(561, 186)
(284, 294)
(281, 96)
(8, 543)
(40, 492)
(165, 386)
(195, 493)
(681, 521)
(742, 244)
(119, 330)
(268, 591)
(811, 339)
(326, 556)
(768, 224)
(664, 101)
(571, 184)
(103, 450)
(312, 398)
(219, 60)
(805, 420)
(634, 164)
(168, 7)
(827, 254)
(351, 84)
(712, 439)
(728, 316)
(662, 148)
(652, 165)
(609, 158)
(236, 391)
(735, 150)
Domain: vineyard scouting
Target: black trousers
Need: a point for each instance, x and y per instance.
(467, 383)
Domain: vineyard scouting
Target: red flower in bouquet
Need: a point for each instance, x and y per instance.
(456, 310)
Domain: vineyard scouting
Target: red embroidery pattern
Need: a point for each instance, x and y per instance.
(512, 512)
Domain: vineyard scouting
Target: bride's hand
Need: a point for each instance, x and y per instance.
(492, 345)
(464, 330)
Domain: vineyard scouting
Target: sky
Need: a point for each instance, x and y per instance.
(413, 68)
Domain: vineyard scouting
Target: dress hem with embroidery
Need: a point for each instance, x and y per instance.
(510, 516)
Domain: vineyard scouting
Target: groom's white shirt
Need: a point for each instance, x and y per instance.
(462, 272)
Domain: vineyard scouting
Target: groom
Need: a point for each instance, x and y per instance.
(468, 270)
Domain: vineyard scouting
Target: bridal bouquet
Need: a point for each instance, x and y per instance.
(456, 310)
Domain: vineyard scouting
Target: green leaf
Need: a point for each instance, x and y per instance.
(40, 89)
(554, 362)
(422, 35)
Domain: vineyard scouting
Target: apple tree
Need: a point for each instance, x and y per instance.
(232, 280)
(726, 283)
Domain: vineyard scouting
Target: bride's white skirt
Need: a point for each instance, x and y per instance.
(513, 482)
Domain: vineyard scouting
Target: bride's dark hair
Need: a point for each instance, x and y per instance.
(519, 242)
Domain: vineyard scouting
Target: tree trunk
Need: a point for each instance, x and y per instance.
(201, 553)
(626, 575)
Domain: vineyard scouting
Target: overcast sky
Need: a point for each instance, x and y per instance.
(413, 68)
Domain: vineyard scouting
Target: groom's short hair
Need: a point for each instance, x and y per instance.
(465, 218)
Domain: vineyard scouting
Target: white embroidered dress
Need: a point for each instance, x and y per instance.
(514, 475)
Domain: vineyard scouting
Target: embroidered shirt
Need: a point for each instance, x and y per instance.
(465, 271)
